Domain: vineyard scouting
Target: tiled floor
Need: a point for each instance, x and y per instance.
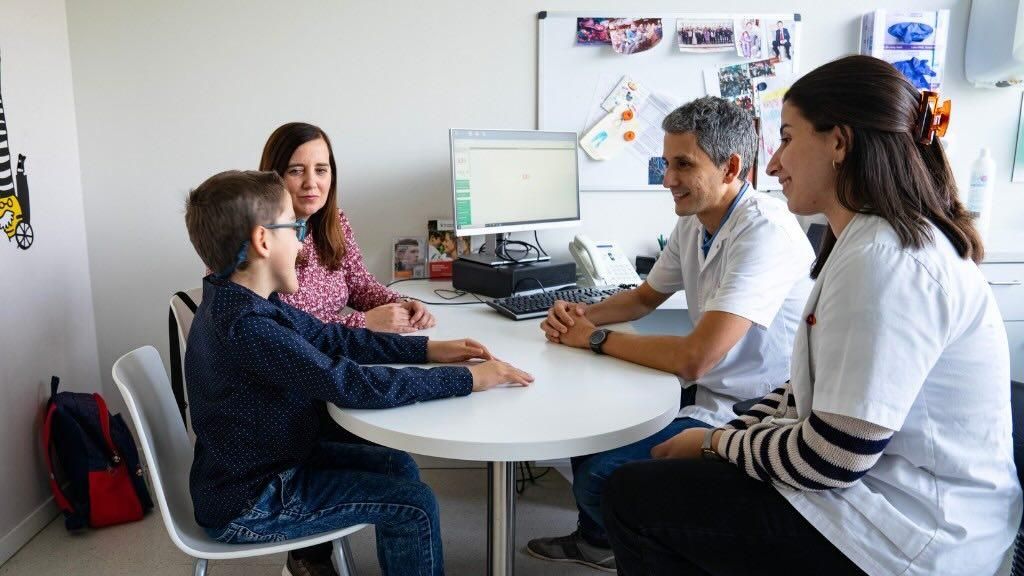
(143, 548)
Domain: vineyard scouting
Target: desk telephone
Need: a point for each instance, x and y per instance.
(601, 263)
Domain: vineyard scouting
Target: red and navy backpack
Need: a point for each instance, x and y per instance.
(96, 457)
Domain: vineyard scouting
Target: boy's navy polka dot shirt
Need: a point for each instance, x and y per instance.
(259, 372)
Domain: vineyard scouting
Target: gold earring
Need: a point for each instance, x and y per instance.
(834, 167)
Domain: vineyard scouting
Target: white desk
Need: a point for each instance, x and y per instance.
(580, 403)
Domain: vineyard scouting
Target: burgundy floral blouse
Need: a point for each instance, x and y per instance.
(324, 293)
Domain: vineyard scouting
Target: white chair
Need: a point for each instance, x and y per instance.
(141, 378)
(182, 311)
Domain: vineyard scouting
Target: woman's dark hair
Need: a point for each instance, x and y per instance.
(324, 225)
(886, 172)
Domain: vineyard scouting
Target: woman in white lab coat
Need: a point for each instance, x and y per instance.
(889, 451)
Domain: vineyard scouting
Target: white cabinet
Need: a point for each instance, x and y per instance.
(1005, 274)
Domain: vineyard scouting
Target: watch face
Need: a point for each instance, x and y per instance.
(597, 337)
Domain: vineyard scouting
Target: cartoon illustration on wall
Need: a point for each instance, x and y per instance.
(14, 207)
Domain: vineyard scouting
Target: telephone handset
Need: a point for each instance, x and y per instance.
(601, 263)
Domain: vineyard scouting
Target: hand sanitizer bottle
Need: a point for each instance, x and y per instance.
(979, 196)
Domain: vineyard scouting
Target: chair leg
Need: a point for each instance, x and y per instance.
(343, 557)
(199, 567)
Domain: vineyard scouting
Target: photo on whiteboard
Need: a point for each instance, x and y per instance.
(738, 82)
(409, 258)
(705, 35)
(632, 35)
(749, 39)
(656, 170)
(592, 31)
(782, 39)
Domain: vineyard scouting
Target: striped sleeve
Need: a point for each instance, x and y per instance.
(779, 403)
(823, 452)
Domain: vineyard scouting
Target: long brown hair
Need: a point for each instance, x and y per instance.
(324, 226)
(886, 171)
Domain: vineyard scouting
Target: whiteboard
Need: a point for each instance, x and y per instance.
(573, 80)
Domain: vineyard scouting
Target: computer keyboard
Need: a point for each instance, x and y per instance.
(537, 305)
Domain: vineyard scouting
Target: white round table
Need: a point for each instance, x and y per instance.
(580, 403)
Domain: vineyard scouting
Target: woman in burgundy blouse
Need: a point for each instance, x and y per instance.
(330, 270)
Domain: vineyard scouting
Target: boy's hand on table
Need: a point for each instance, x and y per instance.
(487, 375)
(446, 351)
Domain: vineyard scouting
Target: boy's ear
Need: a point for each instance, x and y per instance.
(258, 242)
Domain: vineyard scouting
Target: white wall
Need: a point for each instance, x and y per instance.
(46, 302)
(169, 93)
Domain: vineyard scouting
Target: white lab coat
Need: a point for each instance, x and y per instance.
(911, 340)
(758, 268)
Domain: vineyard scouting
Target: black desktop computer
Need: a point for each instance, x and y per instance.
(506, 181)
(506, 280)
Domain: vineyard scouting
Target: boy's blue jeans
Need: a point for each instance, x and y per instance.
(346, 484)
(590, 474)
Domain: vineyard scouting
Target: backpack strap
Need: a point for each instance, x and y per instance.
(58, 494)
(177, 379)
(105, 428)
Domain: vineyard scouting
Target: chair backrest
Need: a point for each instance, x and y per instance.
(143, 384)
(182, 316)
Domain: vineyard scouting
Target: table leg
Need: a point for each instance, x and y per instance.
(501, 518)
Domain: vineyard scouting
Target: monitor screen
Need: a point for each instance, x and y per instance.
(514, 180)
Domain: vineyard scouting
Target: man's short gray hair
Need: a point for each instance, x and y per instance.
(721, 127)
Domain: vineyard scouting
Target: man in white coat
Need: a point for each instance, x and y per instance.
(744, 263)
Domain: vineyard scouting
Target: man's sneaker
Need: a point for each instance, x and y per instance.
(308, 567)
(572, 548)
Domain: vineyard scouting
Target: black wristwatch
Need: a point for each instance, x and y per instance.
(598, 338)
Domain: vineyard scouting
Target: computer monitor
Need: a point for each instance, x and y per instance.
(512, 181)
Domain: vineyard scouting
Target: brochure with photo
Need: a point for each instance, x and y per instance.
(443, 247)
(409, 257)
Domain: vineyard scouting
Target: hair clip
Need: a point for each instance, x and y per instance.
(932, 118)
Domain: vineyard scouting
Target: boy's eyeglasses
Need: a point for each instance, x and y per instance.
(300, 231)
(299, 225)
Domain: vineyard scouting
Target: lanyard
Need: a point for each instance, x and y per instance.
(708, 240)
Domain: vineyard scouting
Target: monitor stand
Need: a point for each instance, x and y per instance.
(491, 257)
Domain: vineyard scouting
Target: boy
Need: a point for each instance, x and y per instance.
(259, 373)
